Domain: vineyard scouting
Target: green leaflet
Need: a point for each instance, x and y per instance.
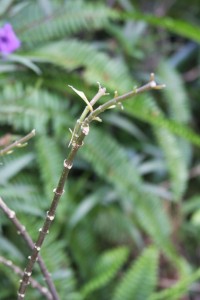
(179, 27)
(108, 159)
(106, 267)
(13, 165)
(26, 107)
(140, 279)
(35, 26)
(71, 54)
(175, 160)
(147, 109)
(178, 290)
(50, 162)
(175, 94)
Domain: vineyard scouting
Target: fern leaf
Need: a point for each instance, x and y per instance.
(72, 54)
(106, 268)
(145, 109)
(26, 107)
(33, 25)
(175, 94)
(50, 162)
(139, 281)
(23, 198)
(108, 159)
(175, 161)
(178, 290)
(180, 27)
(169, 143)
(14, 165)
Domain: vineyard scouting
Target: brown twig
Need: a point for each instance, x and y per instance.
(22, 230)
(17, 143)
(76, 143)
(43, 290)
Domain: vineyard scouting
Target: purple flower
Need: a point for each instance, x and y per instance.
(8, 40)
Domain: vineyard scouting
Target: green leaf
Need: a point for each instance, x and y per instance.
(175, 94)
(8, 248)
(50, 162)
(109, 159)
(34, 25)
(180, 27)
(82, 95)
(99, 67)
(175, 160)
(105, 269)
(24, 62)
(178, 290)
(86, 205)
(145, 109)
(13, 166)
(140, 280)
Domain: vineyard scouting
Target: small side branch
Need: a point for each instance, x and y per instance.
(43, 290)
(151, 85)
(22, 230)
(17, 143)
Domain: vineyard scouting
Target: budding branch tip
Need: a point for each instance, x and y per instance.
(153, 83)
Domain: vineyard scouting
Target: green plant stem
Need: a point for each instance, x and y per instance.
(43, 290)
(22, 231)
(59, 190)
(17, 143)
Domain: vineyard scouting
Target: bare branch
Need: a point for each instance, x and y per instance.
(18, 143)
(43, 290)
(22, 230)
(151, 85)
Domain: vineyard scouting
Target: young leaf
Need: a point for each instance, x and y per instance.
(82, 95)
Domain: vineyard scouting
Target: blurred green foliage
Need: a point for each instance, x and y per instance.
(128, 224)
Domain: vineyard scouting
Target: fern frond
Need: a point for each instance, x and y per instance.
(108, 159)
(72, 54)
(118, 225)
(105, 269)
(8, 249)
(86, 205)
(144, 109)
(178, 290)
(23, 198)
(50, 162)
(169, 143)
(25, 107)
(176, 163)
(58, 263)
(175, 94)
(33, 25)
(14, 164)
(139, 281)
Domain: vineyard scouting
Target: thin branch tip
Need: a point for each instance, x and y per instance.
(19, 143)
(102, 89)
(99, 84)
(153, 83)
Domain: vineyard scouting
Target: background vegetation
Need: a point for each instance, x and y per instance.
(128, 224)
